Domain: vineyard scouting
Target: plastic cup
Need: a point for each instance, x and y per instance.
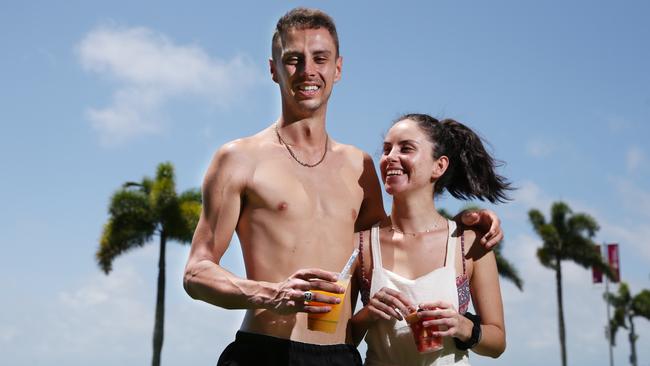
(424, 339)
(327, 322)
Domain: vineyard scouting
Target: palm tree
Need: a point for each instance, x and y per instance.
(567, 236)
(506, 269)
(627, 307)
(138, 211)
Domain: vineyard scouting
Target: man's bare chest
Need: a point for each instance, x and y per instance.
(328, 192)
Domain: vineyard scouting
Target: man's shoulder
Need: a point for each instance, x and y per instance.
(349, 151)
(243, 147)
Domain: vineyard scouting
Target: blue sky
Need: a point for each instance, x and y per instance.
(96, 94)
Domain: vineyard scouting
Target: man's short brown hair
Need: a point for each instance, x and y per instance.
(304, 18)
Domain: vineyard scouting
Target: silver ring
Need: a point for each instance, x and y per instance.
(308, 296)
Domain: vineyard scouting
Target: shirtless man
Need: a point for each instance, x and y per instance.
(295, 197)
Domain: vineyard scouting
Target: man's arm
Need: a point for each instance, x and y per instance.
(206, 280)
(372, 207)
(485, 222)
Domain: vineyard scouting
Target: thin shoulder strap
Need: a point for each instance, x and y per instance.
(365, 282)
(450, 258)
(375, 247)
(461, 233)
(462, 248)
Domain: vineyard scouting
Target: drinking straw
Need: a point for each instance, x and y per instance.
(345, 273)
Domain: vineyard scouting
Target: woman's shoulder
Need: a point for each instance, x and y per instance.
(472, 243)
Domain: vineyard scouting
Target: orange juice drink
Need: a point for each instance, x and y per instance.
(327, 322)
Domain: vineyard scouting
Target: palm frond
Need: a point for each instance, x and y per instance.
(163, 194)
(546, 258)
(581, 224)
(189, 211)
(444, 213)
(131, 224)
(559, 213)
(506, 269)
(617, 321)
(537, 219)
(641, 304)
(581, 251)
(550, 239)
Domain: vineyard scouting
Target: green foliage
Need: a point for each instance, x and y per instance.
(182, 227)
(567, 236)
(138, 211)
(626, 307)
(444, 213)
(641, 304)
(131, 224)
(506, 269)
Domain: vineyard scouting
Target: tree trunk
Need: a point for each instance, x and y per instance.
(558, 280)
(632, 342)
(159, 324)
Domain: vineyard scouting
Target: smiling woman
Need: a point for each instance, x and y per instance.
(466, 169)
(428, 272)
(564, 105)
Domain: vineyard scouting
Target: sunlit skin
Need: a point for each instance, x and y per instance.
(409, 172)
(295, 224)
(306, 66)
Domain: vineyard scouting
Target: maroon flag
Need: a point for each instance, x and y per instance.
(596, 273)
(612, 257)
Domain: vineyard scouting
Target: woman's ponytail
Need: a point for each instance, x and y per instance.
(472, 170)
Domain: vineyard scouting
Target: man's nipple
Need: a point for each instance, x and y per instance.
(283, 206)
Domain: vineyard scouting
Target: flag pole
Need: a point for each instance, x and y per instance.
(607, 326)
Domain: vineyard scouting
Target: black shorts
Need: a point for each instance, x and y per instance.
(256, 349)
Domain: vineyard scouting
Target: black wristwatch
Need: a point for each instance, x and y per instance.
(476, 333)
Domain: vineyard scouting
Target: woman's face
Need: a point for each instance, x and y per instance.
(407, 162)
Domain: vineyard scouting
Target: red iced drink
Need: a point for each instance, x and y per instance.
(424, 339)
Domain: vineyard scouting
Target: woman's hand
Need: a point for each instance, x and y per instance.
(388, 303)
(450, 323)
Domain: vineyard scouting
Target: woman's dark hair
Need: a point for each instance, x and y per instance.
(471, 171)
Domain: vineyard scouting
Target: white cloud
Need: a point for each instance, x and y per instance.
(635, 198)
(101, 289)
(539, 148)
(634, 236)
(634, 158)
(531, 315)
(530, 195)
(151, 70)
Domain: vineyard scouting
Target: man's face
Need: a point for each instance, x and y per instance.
(306, 67)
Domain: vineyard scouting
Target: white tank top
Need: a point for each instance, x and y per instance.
(390, 342)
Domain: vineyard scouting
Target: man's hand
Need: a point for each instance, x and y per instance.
(289, 296)
(486, 222)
